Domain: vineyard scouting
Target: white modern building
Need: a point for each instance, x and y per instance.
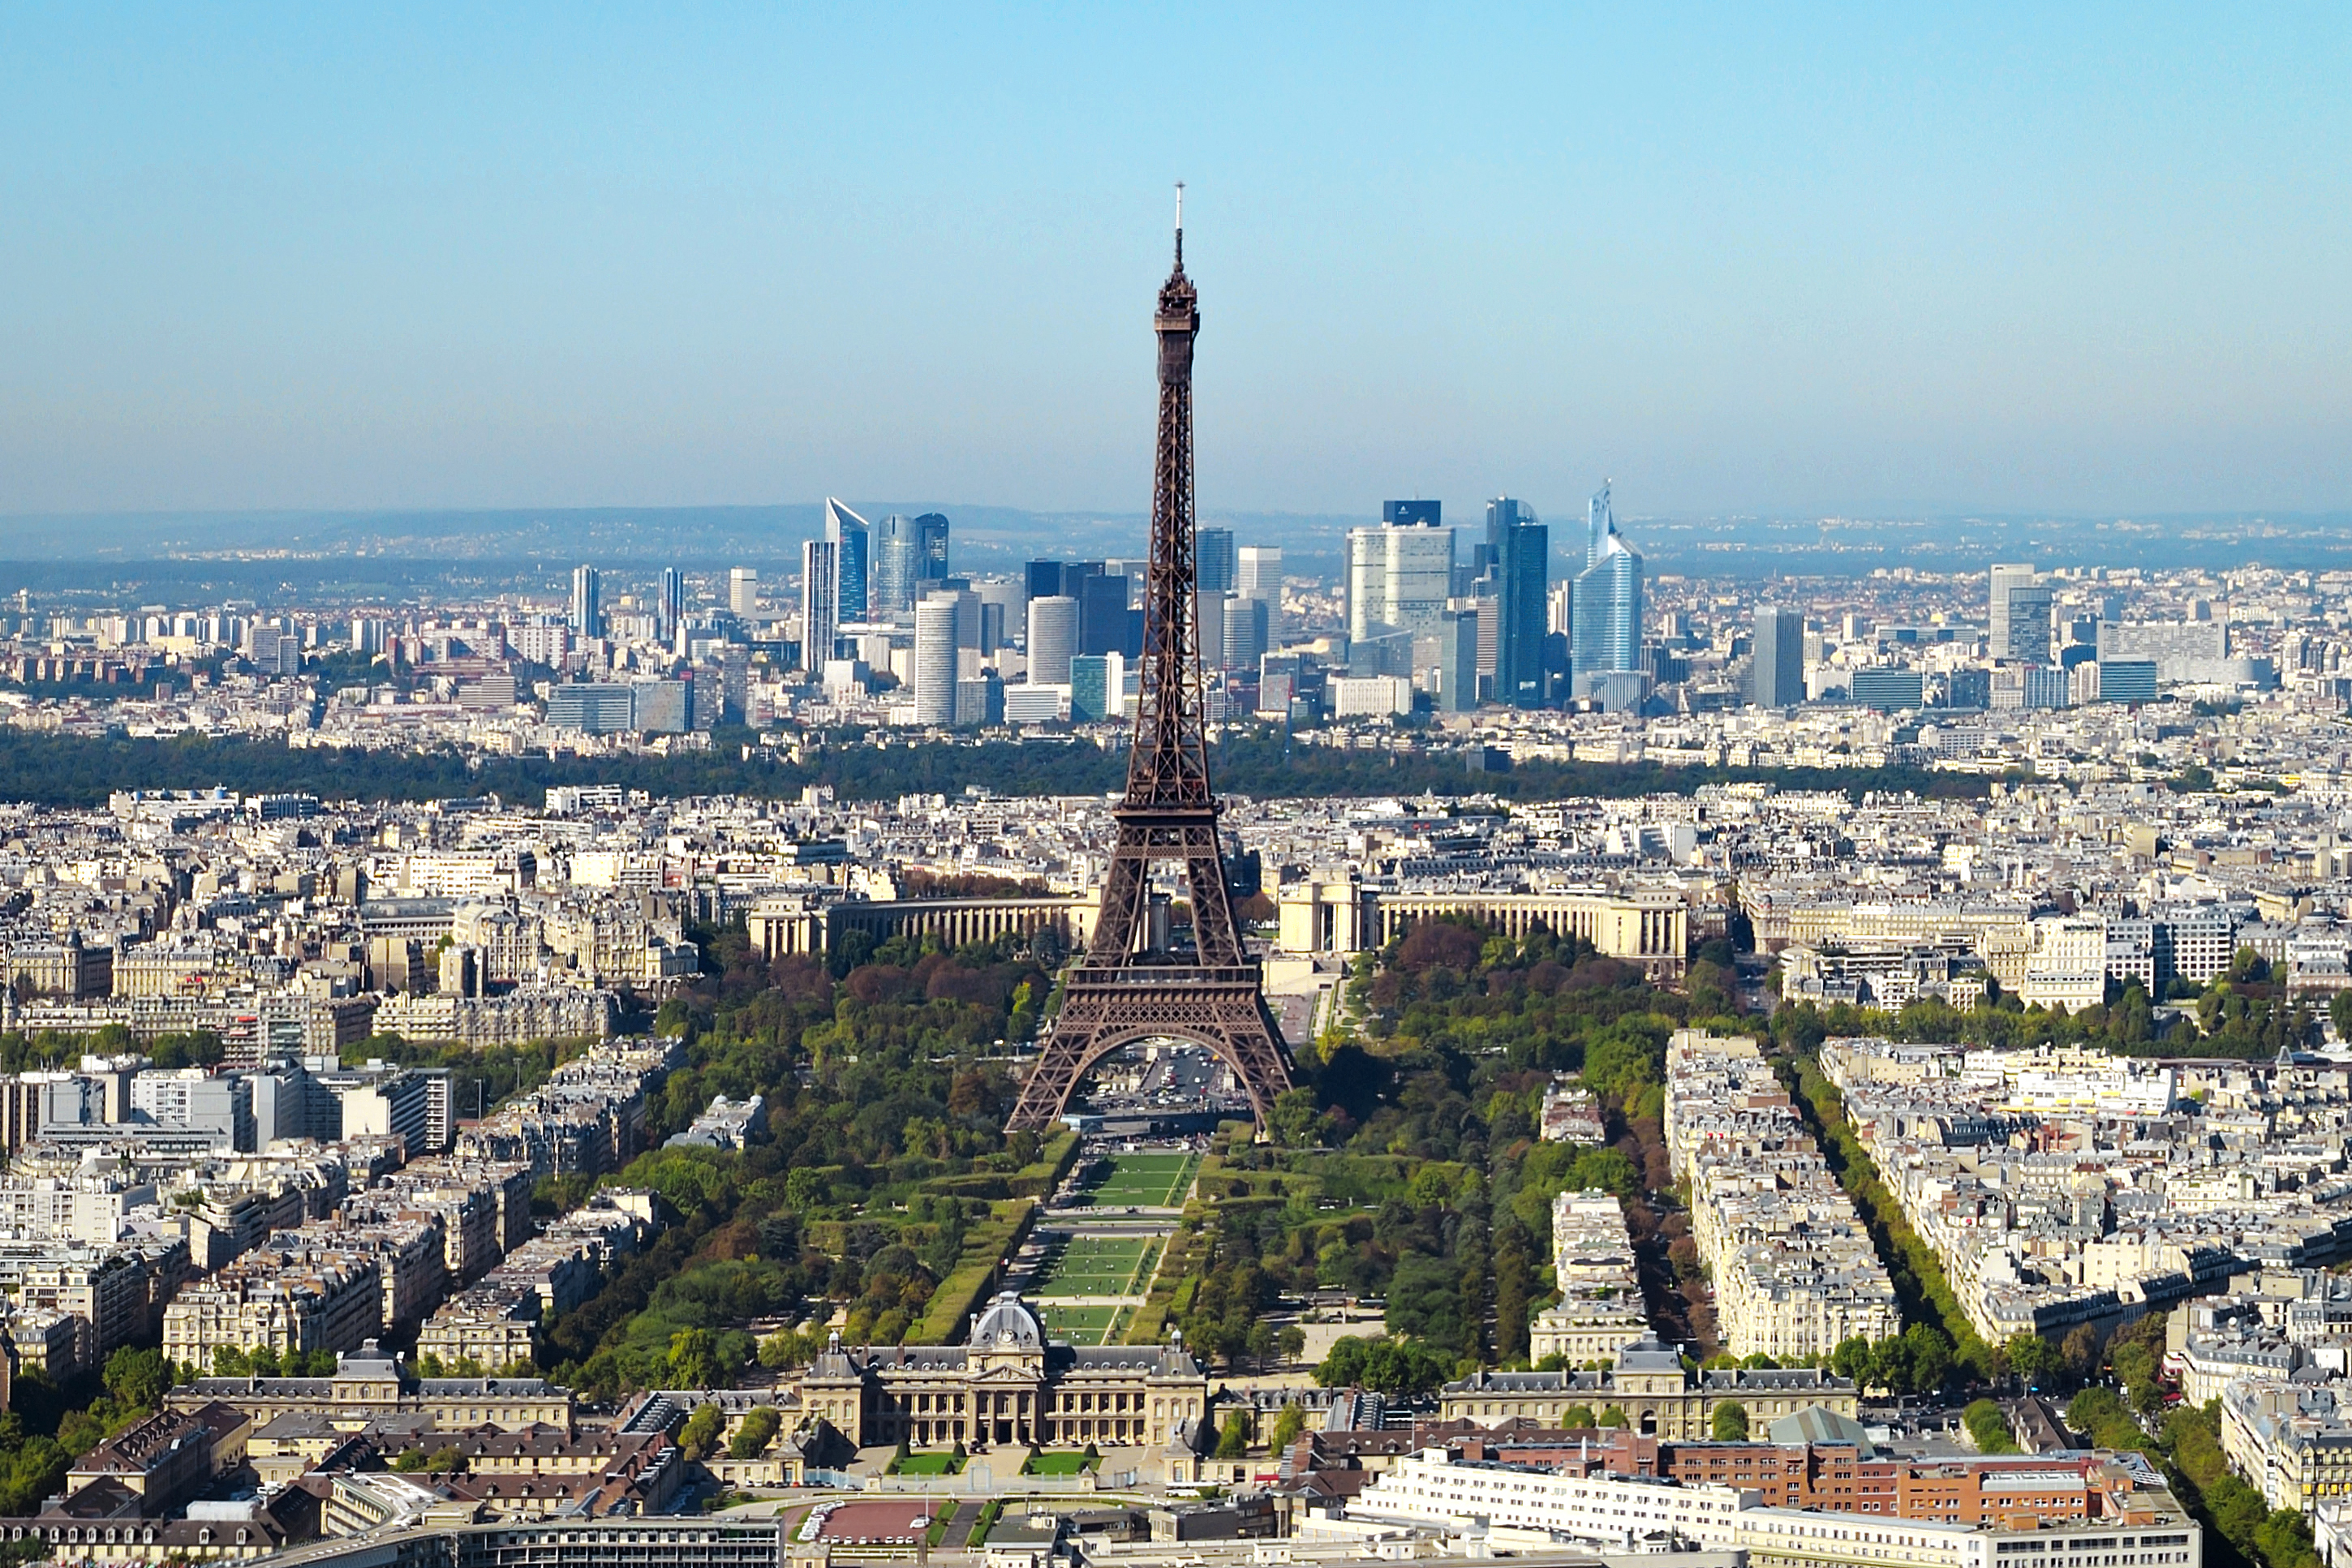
(1624, 1513)
(1052, 639)
(935, 659)
(1370, 697)
(1398, 579)
(1615, 1511)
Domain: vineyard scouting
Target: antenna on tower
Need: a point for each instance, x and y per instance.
(1179, 224)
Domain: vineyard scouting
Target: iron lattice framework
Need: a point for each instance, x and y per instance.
(1120, 990)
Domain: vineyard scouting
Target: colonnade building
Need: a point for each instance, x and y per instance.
(1649, 927)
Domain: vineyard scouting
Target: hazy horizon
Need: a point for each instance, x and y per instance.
(177, 554)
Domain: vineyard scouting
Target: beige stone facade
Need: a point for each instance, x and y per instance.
(371, 1386)
(1656, 1393)
(1008, 1386)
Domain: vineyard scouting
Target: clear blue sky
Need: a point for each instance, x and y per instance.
(1834, 259)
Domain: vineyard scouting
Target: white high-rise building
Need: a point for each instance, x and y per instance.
(743, 591)
(1052, 639)
(820, 601)
(935, 659)
(1398, 579)
(1257, 574)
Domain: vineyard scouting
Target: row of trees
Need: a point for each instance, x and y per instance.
(83, 770)
(2245, 1014)
(2187, 1442)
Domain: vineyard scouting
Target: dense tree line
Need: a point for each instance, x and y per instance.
(2125, 1410)
(82, 771)
(2244, 1012)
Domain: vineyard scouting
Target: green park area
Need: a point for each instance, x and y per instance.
(1144, 1181)
(1100, 1266)
(1057, 1463)
(1078, 1326)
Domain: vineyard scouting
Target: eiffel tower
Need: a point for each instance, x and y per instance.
(1120, 990)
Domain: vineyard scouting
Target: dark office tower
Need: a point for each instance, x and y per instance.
(1411, 514)
(852, 541)
(1046, 580)
(673, 602)
(1457, 668)
(1102, 615)
(931, 548)
(1215, 565)
(1523, 583)
(587, 613)
(1503, 515)
(1778, 676)
(897, 567)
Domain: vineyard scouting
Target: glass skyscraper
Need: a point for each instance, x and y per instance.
(1777, 676)
(587, 612)
(898, 568)
(1503, 515)
(673, 602)
(1521, 551)
(1092, 678)
(820, 610)
(2020, 629)
(931, 549)
(1606, 618)
(1212, 561)
(851, 539)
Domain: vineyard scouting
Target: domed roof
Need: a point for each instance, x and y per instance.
(1007, 1324)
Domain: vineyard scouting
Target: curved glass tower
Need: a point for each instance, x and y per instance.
(1606, 634)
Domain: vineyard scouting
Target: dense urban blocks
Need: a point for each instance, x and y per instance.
(1795, 1273)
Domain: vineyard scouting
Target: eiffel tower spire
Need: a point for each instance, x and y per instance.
(1124, 989)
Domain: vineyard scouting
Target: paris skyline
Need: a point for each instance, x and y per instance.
(2007, 263)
